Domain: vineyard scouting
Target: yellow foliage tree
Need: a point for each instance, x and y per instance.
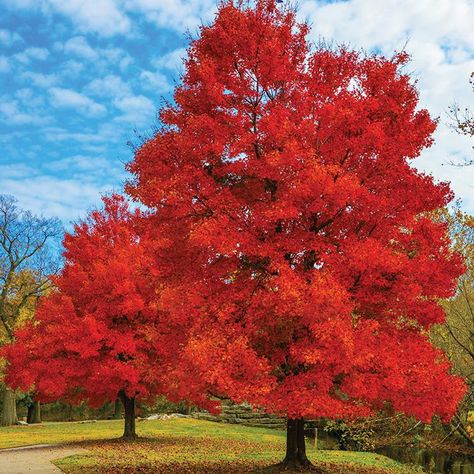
(27, 259)
(456, 335)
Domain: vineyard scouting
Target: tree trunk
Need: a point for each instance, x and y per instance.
(37, 417)
(30, 414)
(69, 413)
(34, 413)
(9, 408)
(129, 407)
(117, 410)
(295, 446)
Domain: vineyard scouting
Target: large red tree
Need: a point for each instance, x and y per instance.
(297, 233)
(99, 336)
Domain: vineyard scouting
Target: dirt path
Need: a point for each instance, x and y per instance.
(33, 459)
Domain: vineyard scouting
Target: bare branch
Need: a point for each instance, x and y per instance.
(29, 255)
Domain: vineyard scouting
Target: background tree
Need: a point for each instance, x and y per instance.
(456, 335)
(28, 256)
(463, 120)
(100, 336)
(294, 231)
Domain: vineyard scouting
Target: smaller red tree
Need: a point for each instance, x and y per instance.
(99, 335)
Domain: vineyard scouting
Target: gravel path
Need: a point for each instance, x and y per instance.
(33, 459)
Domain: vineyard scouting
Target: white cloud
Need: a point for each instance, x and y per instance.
(30, 99)
(125, 62)
(450, 148)
(369, 23)
(41, 191)
(33, 53)
(4, 64)
(67, 199)
(40, 80)
(180, 15)
(9, 38)
(87, 168)
(55, 134)
(12, 113)
(104, 17)
(71, 68)
(69, 98)
(114, 55)
(19, 170)
(172, 60)
(79, 163)
(24, 94)
(103, 58)
(155, 81)
(79, 46)
(92, 138)
(109, 86)
(112, 17)
(136, 109)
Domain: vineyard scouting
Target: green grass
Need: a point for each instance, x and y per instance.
(54, 433)
(185, 446)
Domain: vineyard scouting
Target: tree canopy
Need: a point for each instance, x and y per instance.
(295, 229)
(98, 336)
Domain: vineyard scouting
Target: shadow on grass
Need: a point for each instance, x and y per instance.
(76, 464)
(276, 468)
(119, 442)
(67, 464)
(196, 455)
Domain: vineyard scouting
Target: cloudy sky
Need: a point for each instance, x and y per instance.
(80, 78)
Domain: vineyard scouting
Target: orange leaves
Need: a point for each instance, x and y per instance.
(406, 371)
(213, 232)
(90, 339)
(296, 249)
(227, 364)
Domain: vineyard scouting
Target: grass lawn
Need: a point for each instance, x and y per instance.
(185, 446)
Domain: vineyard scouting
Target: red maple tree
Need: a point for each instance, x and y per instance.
(99, 336)
(296, 236)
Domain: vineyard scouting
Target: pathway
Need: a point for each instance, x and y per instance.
(33, 459)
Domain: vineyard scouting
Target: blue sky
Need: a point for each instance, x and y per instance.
(78, 77)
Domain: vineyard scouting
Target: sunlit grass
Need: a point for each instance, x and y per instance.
(54, 433)
(186, 446)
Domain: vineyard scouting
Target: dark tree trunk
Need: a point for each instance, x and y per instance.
(34, 413)
(29, 416)
(117, 409)
(69, 413)
(295, 446)
(37, 417)
(129, 408)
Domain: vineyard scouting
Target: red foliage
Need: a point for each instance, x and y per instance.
(294, 236)
(101, 331)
